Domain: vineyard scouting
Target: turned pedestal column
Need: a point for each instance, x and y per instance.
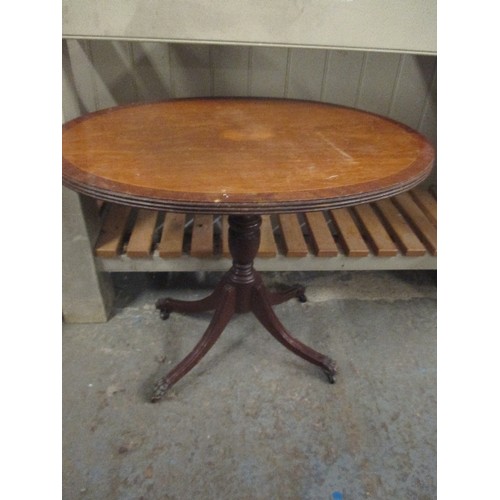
(241, 290)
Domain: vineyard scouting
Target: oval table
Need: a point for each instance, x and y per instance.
(244, 157)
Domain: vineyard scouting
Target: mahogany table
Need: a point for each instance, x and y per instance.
(246, 158)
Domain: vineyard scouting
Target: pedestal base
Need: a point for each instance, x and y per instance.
(241, 290)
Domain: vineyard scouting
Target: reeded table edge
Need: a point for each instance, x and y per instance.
(235, 208)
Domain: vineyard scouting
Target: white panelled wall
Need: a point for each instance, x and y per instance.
(101, 73)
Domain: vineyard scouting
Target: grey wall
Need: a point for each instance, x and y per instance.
(376, 25)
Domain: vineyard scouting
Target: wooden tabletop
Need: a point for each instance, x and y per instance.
(241, 155)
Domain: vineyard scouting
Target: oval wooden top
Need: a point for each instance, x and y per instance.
(241, 155)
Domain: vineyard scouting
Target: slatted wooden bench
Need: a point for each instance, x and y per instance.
(395, 233)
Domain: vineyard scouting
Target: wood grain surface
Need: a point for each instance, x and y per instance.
(241, 155)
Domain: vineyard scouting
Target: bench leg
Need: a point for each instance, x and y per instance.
(87, 293)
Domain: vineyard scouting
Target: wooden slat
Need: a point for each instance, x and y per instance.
(202, 241)
(421, 224)
(427, 203)
(418, 206)
(293, 239)
(375, 231)
(225, 243)
(172, 236)
(141, 239)
(112, 232)
(351, 238)
(322, 239)
(402, 233)
(267, 248)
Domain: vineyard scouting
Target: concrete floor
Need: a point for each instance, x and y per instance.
(252, 420)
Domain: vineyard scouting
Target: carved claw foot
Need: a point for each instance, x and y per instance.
(164, 310)
(302, 296)
(290, 292)
(330, 371)
(159, 391)
(164, 314)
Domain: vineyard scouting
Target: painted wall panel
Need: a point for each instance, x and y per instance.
(268, 71)
(230, 70)
(151, 66)
(343, 76)
(428, 121)
(306, 69)
(412, 88)
(80, 70)
(114, 77)
(191, 71)
(71, 105)
(379, 76)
